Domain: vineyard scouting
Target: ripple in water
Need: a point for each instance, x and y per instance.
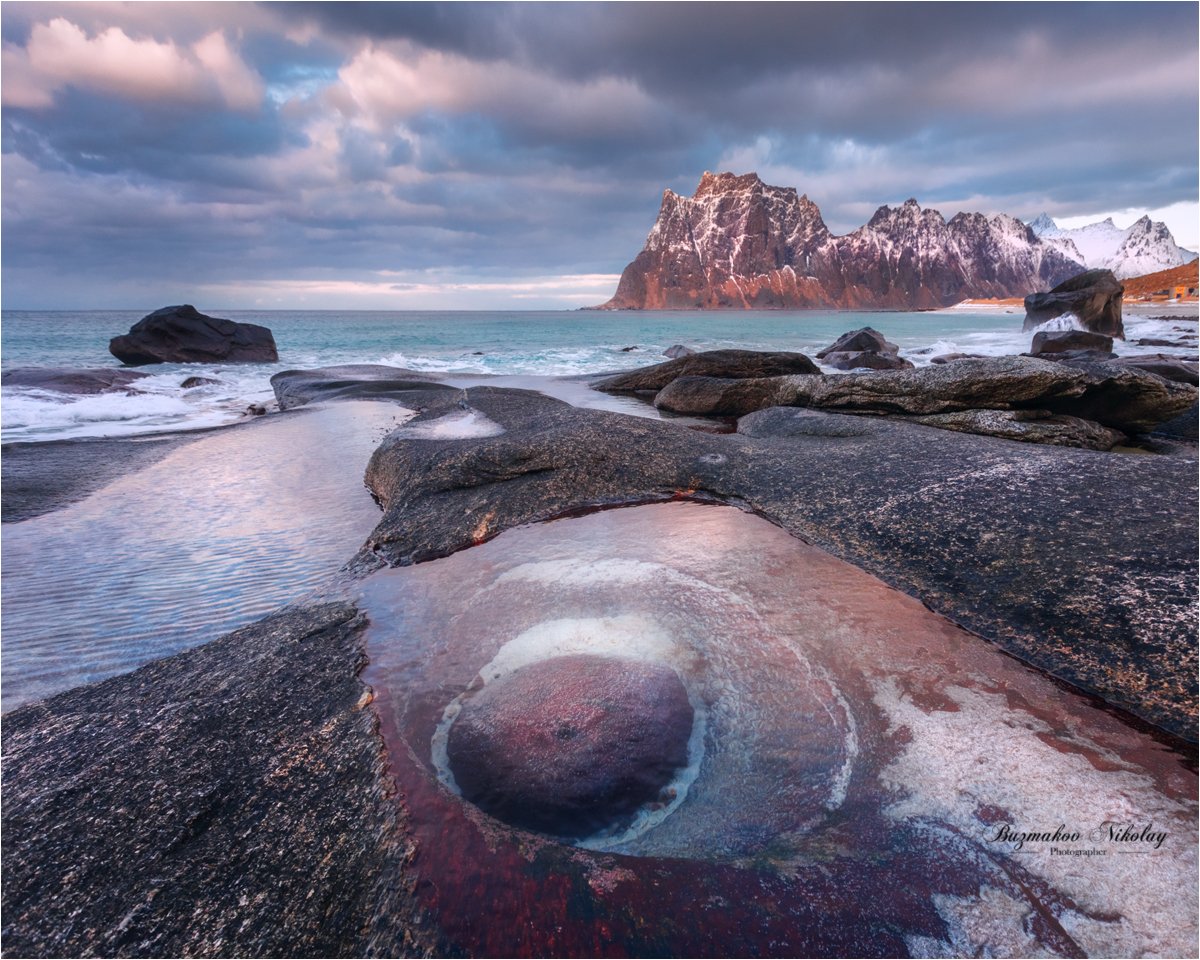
(212, 537)
(855, 759)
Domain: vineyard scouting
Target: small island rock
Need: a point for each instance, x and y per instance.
(182, 334)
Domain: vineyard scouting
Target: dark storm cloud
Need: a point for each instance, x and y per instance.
(242, 143)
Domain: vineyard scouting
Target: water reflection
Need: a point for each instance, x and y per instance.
(212, 537)
(862, 758)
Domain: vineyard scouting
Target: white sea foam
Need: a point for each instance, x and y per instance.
(461, 425)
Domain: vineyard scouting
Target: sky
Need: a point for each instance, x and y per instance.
(513, 156)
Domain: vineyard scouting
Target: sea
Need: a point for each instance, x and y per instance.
(541, 344)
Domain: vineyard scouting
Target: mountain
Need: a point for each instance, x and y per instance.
(1145, 247)
(740, 243)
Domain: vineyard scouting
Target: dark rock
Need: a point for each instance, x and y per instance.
(1169, 368)
(801, 422)
(1153, 342)
(573, 744)
(256, 410)
(1122, 398)
(1029, 426)
(1001, 537)
(1047, 342)
(192, 382)
(856, 341)
(231, 800)
(1184, 428)
(951, 357)
(75, 381)
(714, 396)
(364, 381)
(628, 349)
(183, 334)
(1094, 296)
(677, 351)
(867, 359)
(728, 364)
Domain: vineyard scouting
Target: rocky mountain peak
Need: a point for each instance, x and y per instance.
(727, 183)
(739, 242)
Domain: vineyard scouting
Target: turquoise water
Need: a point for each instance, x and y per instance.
(542, 344)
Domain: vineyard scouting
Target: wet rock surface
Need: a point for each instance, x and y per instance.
(1094, 296)
(361, 381)
(1167, 367)
(183, 334)
(73, 380)
(1048, 344)
(1030, 426)
(856, 341)
(235, 799)
(1003, 538)
(573, 744)
(231, 799)
(867, 360)
(729, 364)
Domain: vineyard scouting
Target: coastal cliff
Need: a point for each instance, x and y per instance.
(740, 243)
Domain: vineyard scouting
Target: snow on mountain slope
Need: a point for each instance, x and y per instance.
(1144, 247)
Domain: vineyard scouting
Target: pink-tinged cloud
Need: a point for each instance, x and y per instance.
(60, 54)
(386, 85)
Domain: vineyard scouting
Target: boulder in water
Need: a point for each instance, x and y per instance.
(856, 341)
(573, 744)
(182, 334)
(1094, 296)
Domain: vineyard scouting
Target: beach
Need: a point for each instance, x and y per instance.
(928, 594)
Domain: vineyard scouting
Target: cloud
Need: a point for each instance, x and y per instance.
(386, 85)
(470, 147)
(60, 54)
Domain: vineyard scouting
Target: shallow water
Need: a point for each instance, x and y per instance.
(536, 344)
(212, 537)
(860, 759)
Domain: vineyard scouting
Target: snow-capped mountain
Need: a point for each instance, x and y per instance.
(738, 242)
(1145, 247)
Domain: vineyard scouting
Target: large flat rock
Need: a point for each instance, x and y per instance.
(1080, 562)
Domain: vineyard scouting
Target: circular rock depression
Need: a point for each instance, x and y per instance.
(571, 745)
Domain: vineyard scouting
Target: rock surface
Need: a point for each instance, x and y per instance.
(573, 744)
(235, 799)
(230, 800)
(738, 242)
(182, 334)
(363, 381)
(1167, 367)
(866, 360)
(677, 351)
(1095, 297)
(729, 364)
(1003, 538)
(716, 396)
(1120, 397)
(1047, 343)
(1029, 426)
(1124, 399)
(73, 380)
(859, 340)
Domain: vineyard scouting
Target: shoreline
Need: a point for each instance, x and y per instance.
(271, 737)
